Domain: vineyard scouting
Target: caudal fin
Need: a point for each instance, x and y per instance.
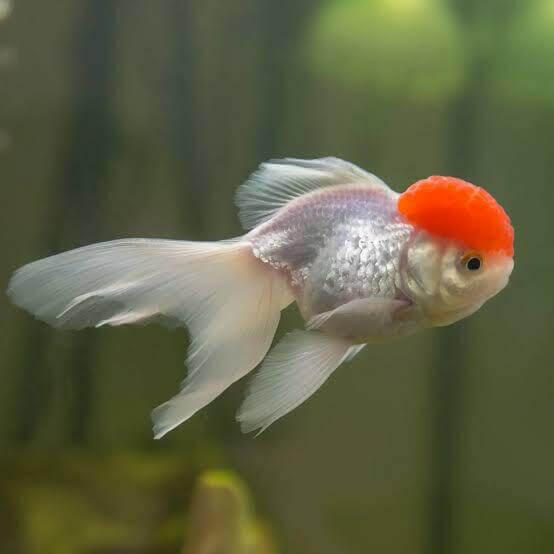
(229, 300)
(230, 338)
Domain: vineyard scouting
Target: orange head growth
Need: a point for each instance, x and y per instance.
(455, 209)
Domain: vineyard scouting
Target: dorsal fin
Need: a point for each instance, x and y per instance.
(277, 182)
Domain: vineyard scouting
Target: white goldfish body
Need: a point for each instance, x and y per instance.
(363, 263)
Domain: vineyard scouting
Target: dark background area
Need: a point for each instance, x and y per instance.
(140, 119)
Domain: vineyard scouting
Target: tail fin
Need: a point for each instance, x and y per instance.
(229, 300)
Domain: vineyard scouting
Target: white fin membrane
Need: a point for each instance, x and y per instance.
(277, 182)
(293, 370)
(229, 300)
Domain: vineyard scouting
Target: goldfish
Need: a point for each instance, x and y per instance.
(363, 263)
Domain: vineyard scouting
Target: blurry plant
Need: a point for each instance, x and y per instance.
(395, 48)
(127, 502)
(221, 518)
(79, 504)
(523, 69)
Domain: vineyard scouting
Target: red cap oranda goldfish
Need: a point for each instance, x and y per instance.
(362, 262)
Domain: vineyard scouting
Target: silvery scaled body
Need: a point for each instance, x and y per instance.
(343, 247)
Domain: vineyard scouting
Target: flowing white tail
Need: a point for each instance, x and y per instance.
(229, 300)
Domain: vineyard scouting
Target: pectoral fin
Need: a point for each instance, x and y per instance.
(363, 319)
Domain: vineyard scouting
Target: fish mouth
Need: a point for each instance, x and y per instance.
(509, 267)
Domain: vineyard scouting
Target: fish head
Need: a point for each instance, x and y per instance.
(461, 250)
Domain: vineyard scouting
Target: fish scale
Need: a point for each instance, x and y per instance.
(336, 246)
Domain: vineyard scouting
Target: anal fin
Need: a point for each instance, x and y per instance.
(291, 372)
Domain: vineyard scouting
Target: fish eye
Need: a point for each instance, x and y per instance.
(472, 262)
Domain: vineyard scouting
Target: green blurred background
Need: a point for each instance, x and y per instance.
(140, 119)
